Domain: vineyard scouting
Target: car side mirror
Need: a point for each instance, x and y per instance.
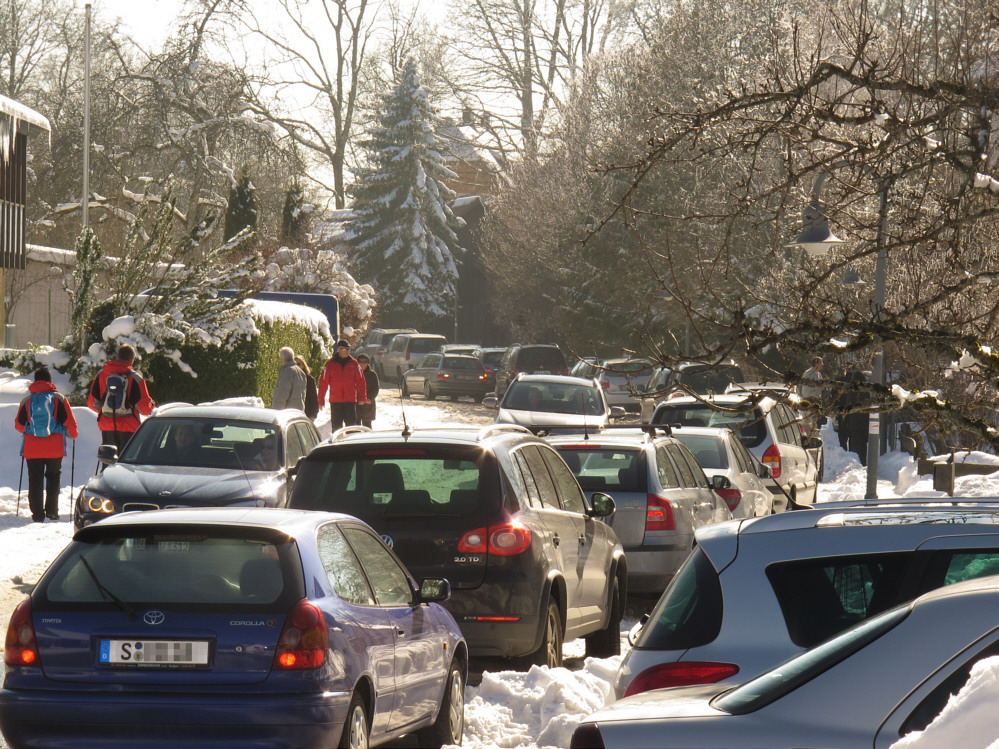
(719, 481)
(813, 443)
(601, 505)
(765, 472)
(636, 630)
(617, 412)
(434, 590)
(107, 454)
(490, 401)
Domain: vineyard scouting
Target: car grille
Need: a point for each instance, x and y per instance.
(137, 506)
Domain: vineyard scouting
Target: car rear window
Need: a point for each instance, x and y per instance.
(606, 468)
(399, 482)
(492, 358)
(708, 451)
(540, 360)
(168, 566)
(463, 363)
(748, 425)
(689, 614)
(710, 381)
(820, 597)
(425, 345)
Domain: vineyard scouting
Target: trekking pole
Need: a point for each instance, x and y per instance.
(72, 472)
(20, 476)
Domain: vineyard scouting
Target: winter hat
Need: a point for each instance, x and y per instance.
(43, 374)
(342, 343)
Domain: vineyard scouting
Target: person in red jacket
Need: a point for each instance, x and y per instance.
(45, 419)
(118, 421)
(343, 379)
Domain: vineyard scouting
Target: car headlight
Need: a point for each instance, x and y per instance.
(91, 501)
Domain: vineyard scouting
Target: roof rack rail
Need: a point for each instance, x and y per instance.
(490, 429)
(160, 408)
(346, 431)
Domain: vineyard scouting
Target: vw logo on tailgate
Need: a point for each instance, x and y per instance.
(388, 540)
(153, 617)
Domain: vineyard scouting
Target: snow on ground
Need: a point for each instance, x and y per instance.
(510, 709)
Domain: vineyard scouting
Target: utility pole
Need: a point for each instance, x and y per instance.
(86, 118)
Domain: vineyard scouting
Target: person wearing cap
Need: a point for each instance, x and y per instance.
(343, 380)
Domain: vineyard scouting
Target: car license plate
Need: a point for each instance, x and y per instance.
(154, 652)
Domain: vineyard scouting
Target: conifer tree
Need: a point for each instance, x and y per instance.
(295, 218)
(88, 261)
(242, 210)
(402, 228)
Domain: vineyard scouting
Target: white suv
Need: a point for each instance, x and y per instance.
(769, 429)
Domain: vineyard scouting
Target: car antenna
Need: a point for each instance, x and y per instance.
(586, 430)
(406, 431)
(246, 476)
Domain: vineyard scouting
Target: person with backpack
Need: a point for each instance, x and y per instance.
(311, 392)
(119, 395)
(45, 419)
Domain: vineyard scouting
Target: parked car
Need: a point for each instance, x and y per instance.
(720, 453)
(498, 513)
(699, 378)
(623, 381)
(768, 428)
(661, 494)
(757, 591)
(376, 342)
(196, 456)
(231, 628)
(554, 402)
(406, 351)
(446, 374)
(882, 679)
(490, 358)
(585, 367)
(529, 358)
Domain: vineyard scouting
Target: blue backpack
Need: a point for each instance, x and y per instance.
(115, 401)
(41, 415)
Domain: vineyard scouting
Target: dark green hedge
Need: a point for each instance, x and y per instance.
(250, 368)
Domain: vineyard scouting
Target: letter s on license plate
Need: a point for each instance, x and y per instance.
(152, 653)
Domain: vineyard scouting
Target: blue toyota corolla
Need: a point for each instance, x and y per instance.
(231, 627)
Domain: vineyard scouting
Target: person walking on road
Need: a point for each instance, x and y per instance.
(311, 390)
(366, 410)
(45, 419)
(343, 379)
(289, 391)
(119, 395)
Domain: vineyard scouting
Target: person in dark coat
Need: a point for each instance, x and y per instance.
(854, 425)
(366, 410)
(343, 380)
(45, 447)
(311, 391)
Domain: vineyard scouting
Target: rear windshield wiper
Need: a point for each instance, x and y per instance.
(106, 592)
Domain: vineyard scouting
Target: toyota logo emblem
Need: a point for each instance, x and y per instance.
(153, 617)
(388, 540)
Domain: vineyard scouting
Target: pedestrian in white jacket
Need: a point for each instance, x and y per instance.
(289, 392)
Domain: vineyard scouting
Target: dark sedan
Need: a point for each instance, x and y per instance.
(197, 456)
(446, 374)
(231, 628)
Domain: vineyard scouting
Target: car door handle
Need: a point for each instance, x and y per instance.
(555, 540)
(582, 540)
(401, 632)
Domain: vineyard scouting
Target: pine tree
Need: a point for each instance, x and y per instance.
(88, 261)
(242, 210)
(295, 218)
(402, 228)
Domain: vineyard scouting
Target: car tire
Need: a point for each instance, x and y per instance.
(428, 392)
(355, 728)
(450, 723)
(550, 652)
(478, 398)
(607, 642)
(403, 390)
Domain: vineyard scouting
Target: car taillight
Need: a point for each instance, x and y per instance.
(407, 356)
(304, 639)
(443, 376)
(771, 459)
(605, 384)
(682, 674)
(732, 497)
(21, 648)
(380, 352)
(586, 736)
(505, 539)
(659, 514)
(484, 376)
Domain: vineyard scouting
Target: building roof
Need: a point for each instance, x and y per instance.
(24, 114)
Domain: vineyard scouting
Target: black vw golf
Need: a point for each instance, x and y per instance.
(498, 513)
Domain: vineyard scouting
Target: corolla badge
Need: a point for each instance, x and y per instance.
(165, 493)
(153, 617)
(388, 540)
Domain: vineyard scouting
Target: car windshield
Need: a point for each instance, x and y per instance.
(557, 398)
(749, 425)
(401, 481)
(133, 566)
(204, 443)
